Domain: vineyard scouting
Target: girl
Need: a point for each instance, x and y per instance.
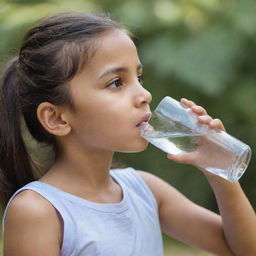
(77, 84)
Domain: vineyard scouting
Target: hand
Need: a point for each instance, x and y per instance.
(203, 117)
(205, 149)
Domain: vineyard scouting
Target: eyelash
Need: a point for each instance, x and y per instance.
(119, 82)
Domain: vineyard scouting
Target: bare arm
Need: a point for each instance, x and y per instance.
(32, 227)
(231, 233)
(186, 221)
(238, 216)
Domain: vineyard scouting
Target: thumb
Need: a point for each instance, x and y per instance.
(183, 158)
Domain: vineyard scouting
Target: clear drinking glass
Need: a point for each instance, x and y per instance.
(175, 129)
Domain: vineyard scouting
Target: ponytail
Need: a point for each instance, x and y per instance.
(15, 163)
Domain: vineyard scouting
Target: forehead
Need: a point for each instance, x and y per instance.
(114, 48)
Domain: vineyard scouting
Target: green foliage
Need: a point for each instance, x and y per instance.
(200, 49)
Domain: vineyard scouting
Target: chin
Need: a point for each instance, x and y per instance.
(136, 148)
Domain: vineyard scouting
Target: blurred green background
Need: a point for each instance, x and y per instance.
(203, 50)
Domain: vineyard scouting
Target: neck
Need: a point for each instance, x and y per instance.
(81, 168)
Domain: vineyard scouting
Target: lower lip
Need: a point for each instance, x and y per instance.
(142, 124)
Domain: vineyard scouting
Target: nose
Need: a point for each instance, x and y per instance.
(143, 97)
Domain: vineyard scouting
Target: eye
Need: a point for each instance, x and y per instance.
(116, 83)
(140, 79)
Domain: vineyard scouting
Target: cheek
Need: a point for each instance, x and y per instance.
(109, 116)
(109, 126)
(99, 124)
(112, 136)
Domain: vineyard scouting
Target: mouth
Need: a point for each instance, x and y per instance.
(144, 119)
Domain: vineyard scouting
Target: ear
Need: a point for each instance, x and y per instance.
(53, 119)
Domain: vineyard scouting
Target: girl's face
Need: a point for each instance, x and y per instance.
(109, 100)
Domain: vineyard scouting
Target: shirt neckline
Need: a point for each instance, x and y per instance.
(104, 207)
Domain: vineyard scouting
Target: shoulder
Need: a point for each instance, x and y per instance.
(153, 182)
(29, 205)
(163, 191)
(141, 183)
(135, 177)
(32, 220)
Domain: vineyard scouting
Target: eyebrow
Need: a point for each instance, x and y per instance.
(117, 70)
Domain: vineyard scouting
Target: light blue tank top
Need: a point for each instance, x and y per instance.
(128, 228)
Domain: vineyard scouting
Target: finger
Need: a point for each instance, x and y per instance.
(199, 110)
(183, 159)
(216, 124)
(187, 102)
(205, 119)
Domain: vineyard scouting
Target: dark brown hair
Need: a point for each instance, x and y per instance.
(52, 53)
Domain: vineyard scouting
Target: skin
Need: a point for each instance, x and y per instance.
(86, 147)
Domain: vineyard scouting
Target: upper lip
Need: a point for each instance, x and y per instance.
(145, 118)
